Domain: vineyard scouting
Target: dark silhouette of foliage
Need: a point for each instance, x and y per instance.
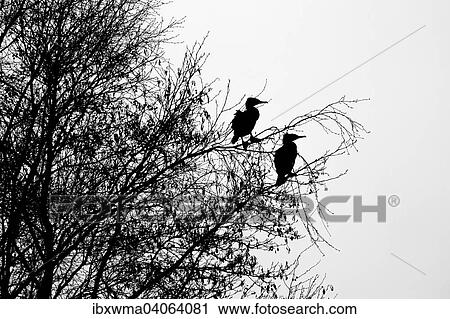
(118, 179)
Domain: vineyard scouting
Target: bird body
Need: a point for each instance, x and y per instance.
(244, 122)
(285, 158)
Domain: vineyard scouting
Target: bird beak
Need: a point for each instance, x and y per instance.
(262, 102)
(299, 136)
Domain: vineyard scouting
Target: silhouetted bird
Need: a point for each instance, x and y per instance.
(285, 157)
(244, 121)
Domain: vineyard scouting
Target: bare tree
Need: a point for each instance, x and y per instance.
(118, 178)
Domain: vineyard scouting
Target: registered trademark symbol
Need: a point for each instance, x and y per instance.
(394, 200)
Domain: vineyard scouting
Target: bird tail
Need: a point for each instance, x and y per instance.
(280, 180)
(235, 139)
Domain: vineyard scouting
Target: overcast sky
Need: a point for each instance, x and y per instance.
(302, 46)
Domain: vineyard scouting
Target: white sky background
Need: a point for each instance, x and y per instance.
(301, 46)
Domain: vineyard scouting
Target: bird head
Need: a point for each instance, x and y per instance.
(288, 137)
(252, 102)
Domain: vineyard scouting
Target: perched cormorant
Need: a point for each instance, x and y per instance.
(285, 157)
(244, 121)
